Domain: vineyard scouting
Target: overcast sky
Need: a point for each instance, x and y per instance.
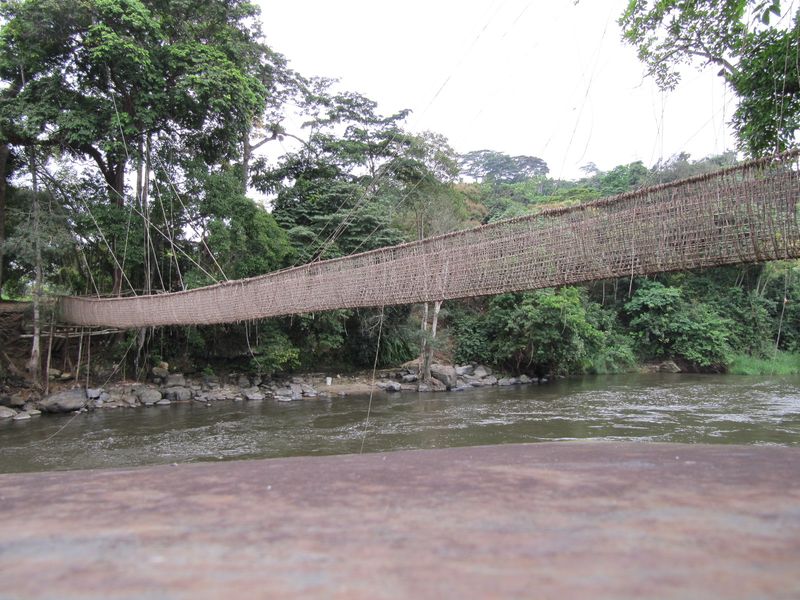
(548, 78)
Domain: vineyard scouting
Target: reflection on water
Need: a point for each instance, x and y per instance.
(661, 408)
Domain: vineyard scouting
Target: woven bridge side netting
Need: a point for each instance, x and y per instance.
(748, 213)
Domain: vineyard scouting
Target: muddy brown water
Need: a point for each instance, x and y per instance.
(680, 408)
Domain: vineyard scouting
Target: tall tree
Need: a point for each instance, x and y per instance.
(94, 77)
(742, 39)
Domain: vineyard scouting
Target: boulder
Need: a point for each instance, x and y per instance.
(508, 381)
(524, 379)
(465, 370)
(283, 394)
(668, 366)
(254, 396)
(393, 386)
(444, 373)
(482, 371)
(432, 385)
(491, 380)
(243, 382)
(175, 380)
(16, 401)
(178, 394)
(160, 372)
(21, 416)
(297, 390)
(7, 413)
(149, 396)
(65, 401)
(409, 378)
(93, 393)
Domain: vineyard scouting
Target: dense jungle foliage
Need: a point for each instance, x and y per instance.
(160, 145)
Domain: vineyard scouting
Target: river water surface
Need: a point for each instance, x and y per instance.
(656, 408)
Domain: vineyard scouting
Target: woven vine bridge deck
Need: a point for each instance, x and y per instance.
(748, 213)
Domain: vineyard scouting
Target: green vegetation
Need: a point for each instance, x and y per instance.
(130, 137)
(782, 363)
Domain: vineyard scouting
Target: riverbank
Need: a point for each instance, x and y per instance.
(601, 520)
(165, 387)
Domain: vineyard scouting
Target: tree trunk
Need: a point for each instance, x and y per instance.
(117, 183)
(428, 358)
(4, 152)
(246, 152)
(423, 344)
(34, 364)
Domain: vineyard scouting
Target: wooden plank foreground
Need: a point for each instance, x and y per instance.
(550, 520)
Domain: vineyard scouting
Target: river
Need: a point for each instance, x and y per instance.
(683, 408)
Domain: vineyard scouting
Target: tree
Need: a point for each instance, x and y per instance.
(93, 78)
(497, 167)
(757, 59)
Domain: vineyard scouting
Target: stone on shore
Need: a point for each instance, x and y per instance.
(178, 394)
(482, 371)
(149, 396)
(393, 386)
(465, 370)
(160, 372)
(7, 413)
(22, 416)
(444, 373)
(65, 401)
(175, 380)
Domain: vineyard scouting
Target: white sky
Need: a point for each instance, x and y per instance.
(548, 78)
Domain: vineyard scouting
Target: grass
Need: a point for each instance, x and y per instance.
(783, 363)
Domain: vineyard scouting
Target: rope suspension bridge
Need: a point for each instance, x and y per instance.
(744, 214)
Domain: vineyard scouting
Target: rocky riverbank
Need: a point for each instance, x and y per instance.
(166, 387)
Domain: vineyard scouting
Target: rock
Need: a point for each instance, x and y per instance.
(444, 373)
(490, 380)
(54, 373)
(465, 370)
(432, 385)
(21, 416)
(65, 401)
(149, 396)
(243, 381)
(297, 390)
(178, 394)
(254, 396)
(164, 402)
(524, 379)
(308, 390)
(33, 412)
(481, 371)
(16, 400)
(409, 378)
(7, 413)
(543, 380)
(129, 400)
(93, 393)
(283, 394)
(160, 372)
(175, 380)
(668, 366)
(393, 386)
(508, 381)
(66, 376)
